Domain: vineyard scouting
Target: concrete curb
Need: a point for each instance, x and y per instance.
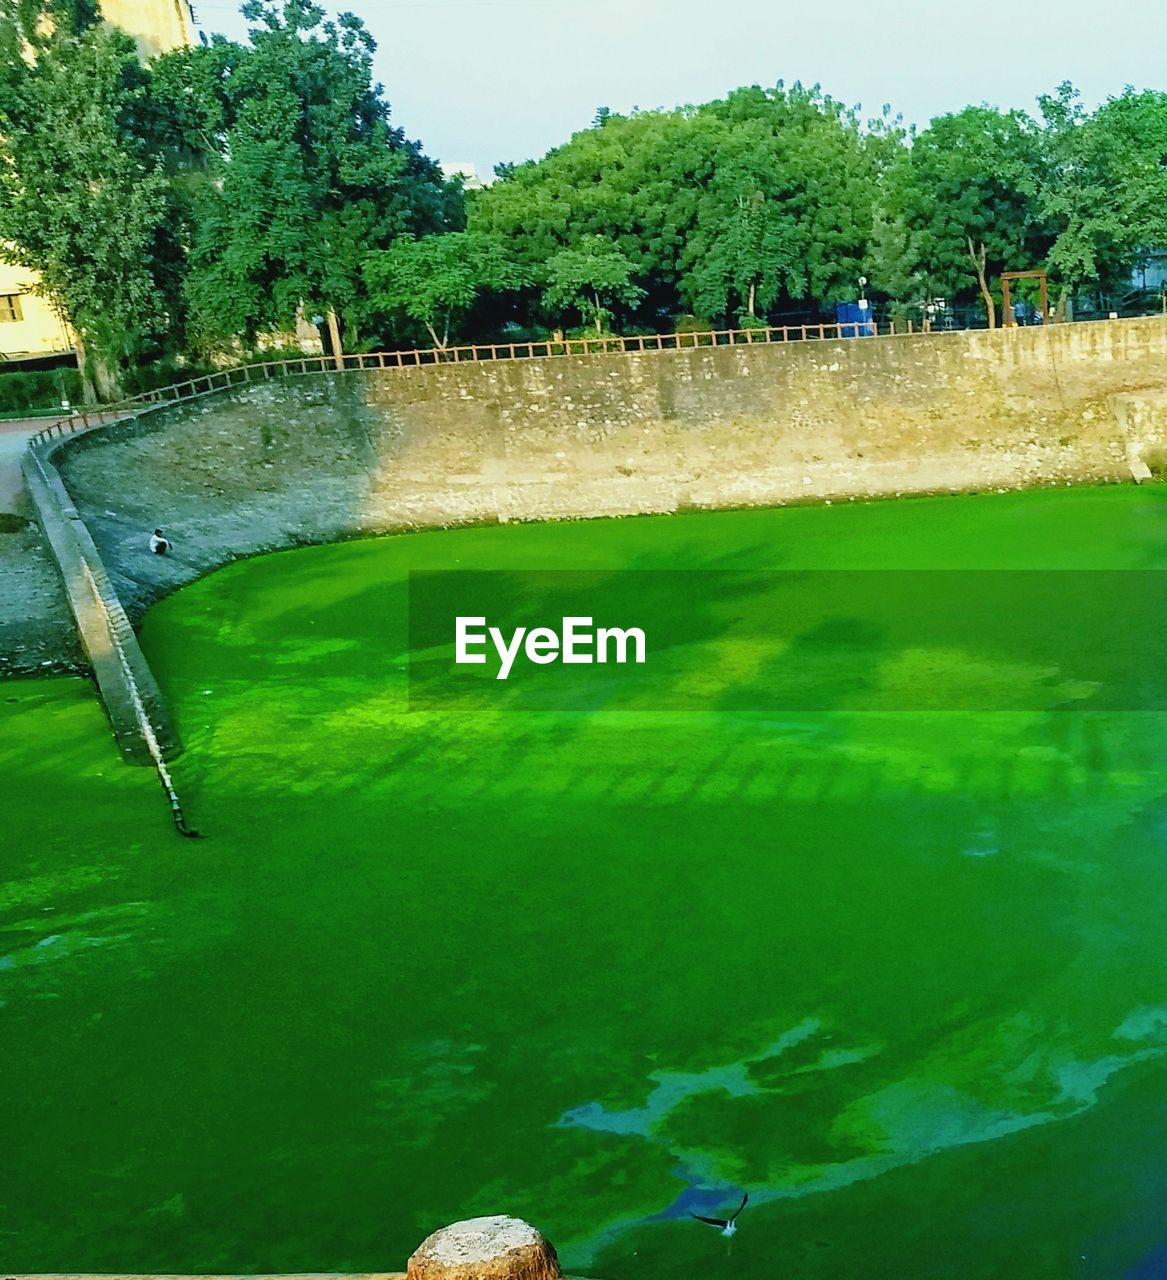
(128, 687)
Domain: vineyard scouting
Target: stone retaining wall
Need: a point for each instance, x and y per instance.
(324, 456)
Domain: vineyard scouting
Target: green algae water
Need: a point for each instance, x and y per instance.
(901, 976)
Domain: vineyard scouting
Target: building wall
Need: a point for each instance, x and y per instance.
(329, 456)
(157, 25)
(40, 331)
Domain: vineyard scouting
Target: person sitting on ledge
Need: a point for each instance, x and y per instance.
(158, 543)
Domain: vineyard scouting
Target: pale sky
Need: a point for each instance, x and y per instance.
(489, 80)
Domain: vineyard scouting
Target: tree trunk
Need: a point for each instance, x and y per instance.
(599, 314)
(752, 299)
(106, 380)
(979, 255)
(88, 390)
(334, 334)
(100, 383)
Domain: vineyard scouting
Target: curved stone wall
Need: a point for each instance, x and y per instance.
(325, 456)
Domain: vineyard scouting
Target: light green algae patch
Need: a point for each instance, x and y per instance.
(900, 975)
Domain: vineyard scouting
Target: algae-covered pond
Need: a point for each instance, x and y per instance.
(899, 974)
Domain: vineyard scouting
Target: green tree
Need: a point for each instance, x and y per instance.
(675, 192)
(633, 180)
(967, 188)
(308, 175)
(85, 200)
(749, 253)
(586, 277)
(436, 280)
(818, 172)
(1105, 188)
(894, 262)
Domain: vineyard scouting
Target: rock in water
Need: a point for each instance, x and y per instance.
(485, 1249)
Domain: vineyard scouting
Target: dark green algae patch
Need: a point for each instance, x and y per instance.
(901, 976)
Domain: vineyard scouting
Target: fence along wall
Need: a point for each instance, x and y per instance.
(318, 457)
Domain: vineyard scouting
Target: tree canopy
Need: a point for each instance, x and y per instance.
(1105, 188)
(591, 277)
(85, 200)
(967, 188)
(437, 279)
(676, 192)
(310, 174)
(204, 200)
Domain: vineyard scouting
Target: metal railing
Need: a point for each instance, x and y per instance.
(549, 348)
(543, 349)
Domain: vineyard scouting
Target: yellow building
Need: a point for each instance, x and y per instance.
(157, 25)
(29, 327)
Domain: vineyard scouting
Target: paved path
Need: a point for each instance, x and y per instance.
(13, 438)
(36, 629)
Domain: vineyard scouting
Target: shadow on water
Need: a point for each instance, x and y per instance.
(416, 927)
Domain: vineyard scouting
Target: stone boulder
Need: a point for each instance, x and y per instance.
(496, 1248)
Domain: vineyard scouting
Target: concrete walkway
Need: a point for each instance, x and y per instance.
(13, 439)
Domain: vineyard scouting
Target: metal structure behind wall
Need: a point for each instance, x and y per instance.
(1007, 277)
